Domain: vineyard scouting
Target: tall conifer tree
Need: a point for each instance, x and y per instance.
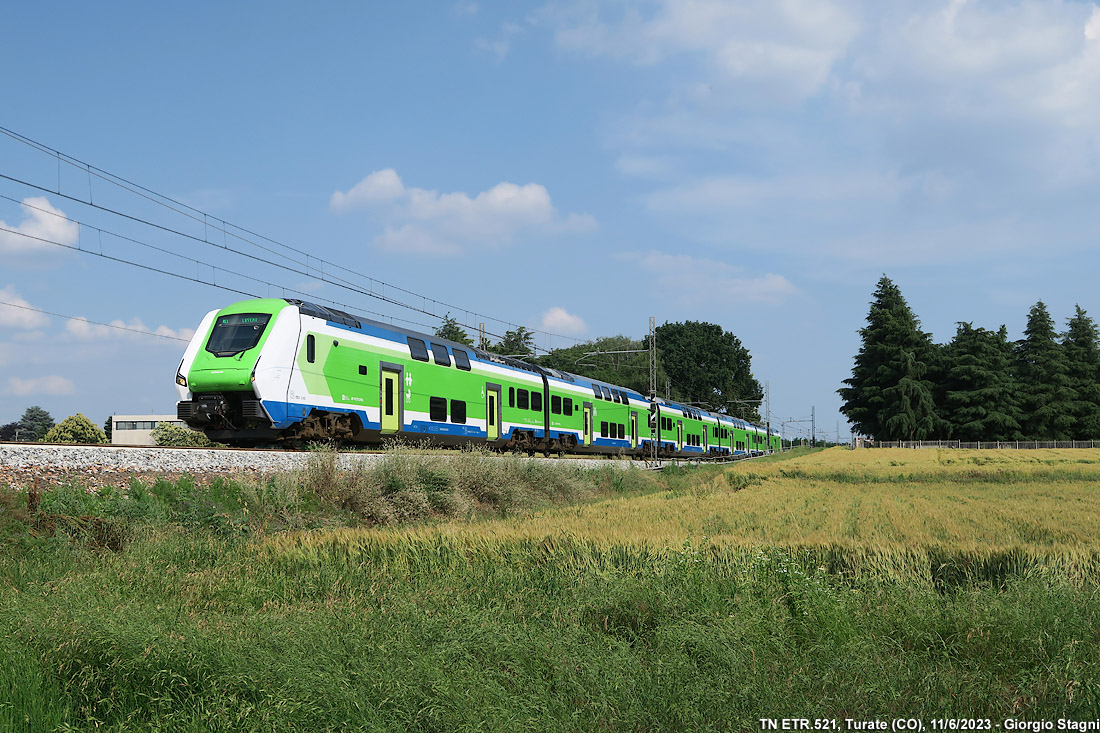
(887, 396)
(1047, 398)
(979, 394)
(1080, 343)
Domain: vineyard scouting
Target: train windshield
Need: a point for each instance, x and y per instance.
(236, 333)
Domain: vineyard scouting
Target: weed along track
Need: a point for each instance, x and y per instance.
(497, 593)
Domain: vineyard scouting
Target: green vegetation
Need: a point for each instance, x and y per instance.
(887, 396)
(980, 386)
(268, 605)
(176, 435)
(75, 429)
(705, 365)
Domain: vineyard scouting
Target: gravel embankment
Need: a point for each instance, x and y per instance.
(93, 466)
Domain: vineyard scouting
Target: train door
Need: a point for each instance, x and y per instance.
(633, 430)
(679, 435)
(587, 409)
(390, 403)
(706, 441)
(492, 412)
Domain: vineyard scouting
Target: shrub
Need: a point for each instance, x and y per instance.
(174, 435)
(75, 429)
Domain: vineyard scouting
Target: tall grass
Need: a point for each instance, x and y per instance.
(698, 600)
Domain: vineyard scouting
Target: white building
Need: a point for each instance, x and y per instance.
(136, 429)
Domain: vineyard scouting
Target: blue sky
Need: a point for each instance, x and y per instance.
(573, 167)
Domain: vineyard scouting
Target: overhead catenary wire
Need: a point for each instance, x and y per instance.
(181, 276)
(198, 215)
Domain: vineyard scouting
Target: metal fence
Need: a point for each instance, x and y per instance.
(962, 445)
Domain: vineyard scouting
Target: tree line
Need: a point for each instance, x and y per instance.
(37, 426)
(978, 387)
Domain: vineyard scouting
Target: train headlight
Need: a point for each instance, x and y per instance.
(181, 380)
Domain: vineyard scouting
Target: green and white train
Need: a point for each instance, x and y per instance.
(284, 371)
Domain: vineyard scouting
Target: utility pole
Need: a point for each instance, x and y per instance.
(481, 335)
(652, 359)
(813, 426)
(768, 412)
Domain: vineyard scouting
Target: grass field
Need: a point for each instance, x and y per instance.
(835, 584)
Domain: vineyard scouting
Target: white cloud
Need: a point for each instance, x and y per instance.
(715, 195)
(501, 47)
(780, 48)
(560, 321)
(710, 277)
(40, 220)
(428, 222)
(84, 330)
(49, 385)
(15, 317)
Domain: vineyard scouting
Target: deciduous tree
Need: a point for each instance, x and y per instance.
(75, 429)
(453, 331)
(708, 366)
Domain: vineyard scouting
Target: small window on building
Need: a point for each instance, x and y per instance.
(437, 407)
(458, 411)
(311, 349)
(442, 358)
(596, 391)
(555, 404)
(511, 396)
(417, 349)
(522, 399)
(462, 360)
(363, 369)
(536, 401)
(567, 406)
(603, 429)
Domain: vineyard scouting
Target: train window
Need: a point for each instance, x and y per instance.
(536, 401)
(442, 358)
(567, 406)
(555, 404)
(311, 349)
(462, 360)
(233, 334)
(437, 409)
(363, 369)
(458, 411)
(606, 393)
(511, 396)
(522, 399)
(417, 349)
(603, 429)
(596, 391)
(622, 431)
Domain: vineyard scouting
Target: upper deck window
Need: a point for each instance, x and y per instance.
(417, 349)
(439, 351)
(236, 333)
(462, 360)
